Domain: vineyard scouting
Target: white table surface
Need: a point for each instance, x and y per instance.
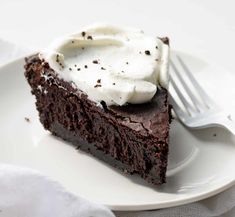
(203, 28)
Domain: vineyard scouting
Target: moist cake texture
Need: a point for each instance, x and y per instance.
(131, 137)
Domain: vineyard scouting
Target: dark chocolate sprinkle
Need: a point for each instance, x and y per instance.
(97, 85)
(83, 34)
(86, 66)
(113, 83)
(127, 63)
(75, 65)
(78, 69)
(156, 59)
(95, 61)
(70, 69)
(156, 47)
(89, 37)
(102, 68)
(147, 52)
(99, 80)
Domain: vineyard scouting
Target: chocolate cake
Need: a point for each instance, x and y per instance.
(131, 137)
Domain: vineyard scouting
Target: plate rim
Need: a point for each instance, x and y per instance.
(152, 205)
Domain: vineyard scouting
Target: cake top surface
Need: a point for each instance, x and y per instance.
(111, 64)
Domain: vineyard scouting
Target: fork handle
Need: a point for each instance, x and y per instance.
(229, 124)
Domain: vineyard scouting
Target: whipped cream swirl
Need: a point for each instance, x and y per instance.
(111, 64)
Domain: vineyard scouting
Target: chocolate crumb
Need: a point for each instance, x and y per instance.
(99, 81)
(86, 66)
(89, 37)
(83, 34)
(78, 69)
(104, 105)
(70, 69)
(97, 85)
(95, 61)
(27, 119)
(147, 52)
(102, 68)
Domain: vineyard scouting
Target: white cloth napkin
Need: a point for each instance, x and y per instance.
(27, 193)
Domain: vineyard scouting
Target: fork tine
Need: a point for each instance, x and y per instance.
(185, 102)
(206, 99)
(188, 91)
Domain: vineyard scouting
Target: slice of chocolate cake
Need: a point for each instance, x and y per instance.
(105, 91)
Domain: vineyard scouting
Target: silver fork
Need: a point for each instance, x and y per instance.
(194, 107)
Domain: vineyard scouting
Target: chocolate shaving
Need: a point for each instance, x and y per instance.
(95, 61)
(27, 119)
(147, 52)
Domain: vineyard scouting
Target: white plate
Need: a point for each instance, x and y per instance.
(201, 164)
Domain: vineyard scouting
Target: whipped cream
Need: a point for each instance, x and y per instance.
(111, 64)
